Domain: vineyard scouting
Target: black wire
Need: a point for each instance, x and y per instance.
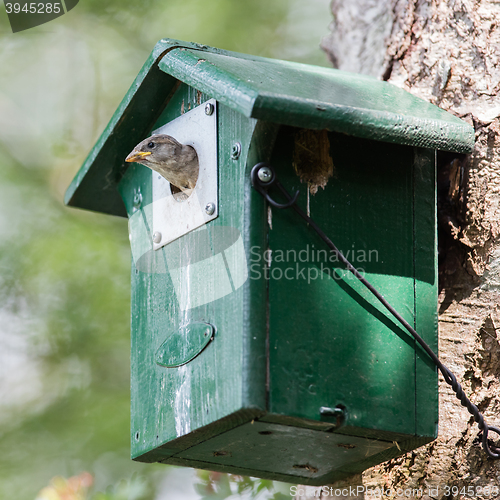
(449, 377)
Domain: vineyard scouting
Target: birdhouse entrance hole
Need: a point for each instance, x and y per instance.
(178, 194)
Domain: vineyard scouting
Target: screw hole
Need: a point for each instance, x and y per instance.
(222, 454)
(347, 446)
(137, 435)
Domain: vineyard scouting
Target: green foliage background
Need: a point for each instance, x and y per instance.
(64, 273)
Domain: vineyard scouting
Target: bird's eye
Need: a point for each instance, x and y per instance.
(151, 145)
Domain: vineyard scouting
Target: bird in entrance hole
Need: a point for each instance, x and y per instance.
(176, 162)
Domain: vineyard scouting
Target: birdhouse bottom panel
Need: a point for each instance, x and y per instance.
(287, 453)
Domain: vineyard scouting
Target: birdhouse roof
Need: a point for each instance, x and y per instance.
(283, 92)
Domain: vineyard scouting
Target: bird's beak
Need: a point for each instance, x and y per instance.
(137, 155)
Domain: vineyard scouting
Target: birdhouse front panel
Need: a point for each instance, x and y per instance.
(253, 350)
(189, 324)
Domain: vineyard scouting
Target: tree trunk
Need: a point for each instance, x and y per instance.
(447, 52)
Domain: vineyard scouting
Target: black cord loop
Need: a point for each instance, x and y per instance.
(262, 187)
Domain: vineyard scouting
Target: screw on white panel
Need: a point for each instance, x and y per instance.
(210, 208)
(209, 109)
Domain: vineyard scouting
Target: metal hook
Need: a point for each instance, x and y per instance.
(263, 177)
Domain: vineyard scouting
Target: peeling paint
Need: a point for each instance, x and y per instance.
(182, 403)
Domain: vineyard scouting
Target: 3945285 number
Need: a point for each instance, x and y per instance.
(33, 8)
(471, 491)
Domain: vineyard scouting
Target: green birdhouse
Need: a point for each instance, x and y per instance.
(253, 350)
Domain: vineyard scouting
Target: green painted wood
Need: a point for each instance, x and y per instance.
(315, 97)
(309, 454)
(166, 451)
(284, 347)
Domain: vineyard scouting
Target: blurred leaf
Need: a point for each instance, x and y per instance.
(264, 484)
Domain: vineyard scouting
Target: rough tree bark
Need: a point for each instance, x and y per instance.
(447, 52)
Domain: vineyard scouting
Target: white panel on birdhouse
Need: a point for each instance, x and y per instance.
(174, 215)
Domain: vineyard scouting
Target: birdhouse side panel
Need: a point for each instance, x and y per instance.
(331, 344)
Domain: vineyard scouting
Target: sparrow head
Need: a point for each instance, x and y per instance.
(176, 162)
(161, 150)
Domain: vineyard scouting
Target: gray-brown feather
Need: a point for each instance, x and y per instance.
(178, 163)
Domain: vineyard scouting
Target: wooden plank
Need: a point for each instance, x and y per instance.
(426, 290)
